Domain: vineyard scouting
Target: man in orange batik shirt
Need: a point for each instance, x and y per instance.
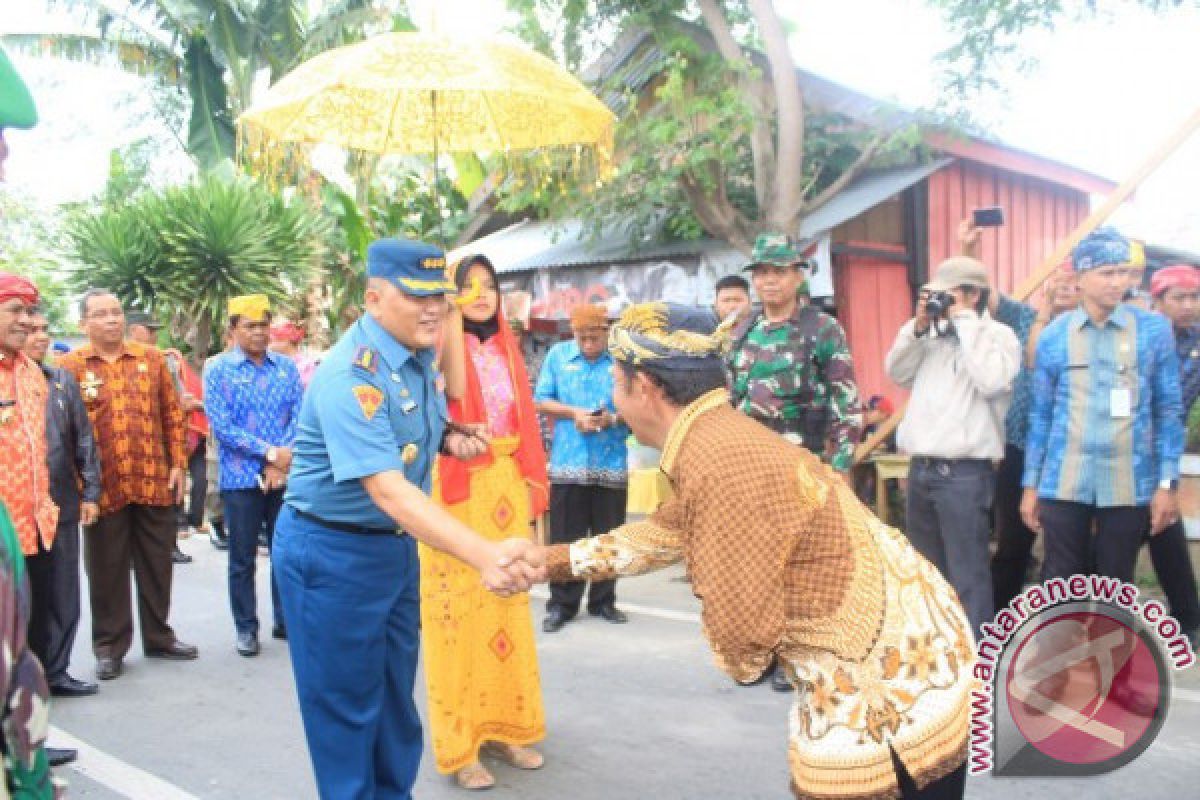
(139, 428)
(24, 473)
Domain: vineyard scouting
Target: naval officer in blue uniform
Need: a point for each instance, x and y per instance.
(345, 560)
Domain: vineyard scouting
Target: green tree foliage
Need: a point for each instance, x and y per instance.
(183, 252)
(990, 33)
(214, 50)
(400, 202)
(719, 141)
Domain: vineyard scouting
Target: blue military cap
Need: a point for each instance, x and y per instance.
(415, 268)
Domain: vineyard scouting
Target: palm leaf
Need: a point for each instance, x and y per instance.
(145, 58)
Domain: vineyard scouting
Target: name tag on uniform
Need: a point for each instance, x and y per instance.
(1120, 403)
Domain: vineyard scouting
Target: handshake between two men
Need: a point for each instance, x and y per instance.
(521, 564)
(506, 567)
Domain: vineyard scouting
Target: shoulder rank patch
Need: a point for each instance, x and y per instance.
(369, 399)
(366, 360)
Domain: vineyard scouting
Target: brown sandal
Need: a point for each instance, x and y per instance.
(516, 756)
(474, 777)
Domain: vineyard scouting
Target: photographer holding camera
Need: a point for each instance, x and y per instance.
(960, 365)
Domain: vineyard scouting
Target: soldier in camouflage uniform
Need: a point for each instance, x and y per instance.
(790, 366)
(22, 685)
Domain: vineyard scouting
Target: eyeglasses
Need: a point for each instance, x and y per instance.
(112, 313)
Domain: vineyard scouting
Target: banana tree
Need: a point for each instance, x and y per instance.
(212, 50)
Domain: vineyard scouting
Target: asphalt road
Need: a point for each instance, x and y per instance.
(633, 711)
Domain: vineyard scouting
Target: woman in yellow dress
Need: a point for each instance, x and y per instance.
(481, 667)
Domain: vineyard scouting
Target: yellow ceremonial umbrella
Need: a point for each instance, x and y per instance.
(428, 93)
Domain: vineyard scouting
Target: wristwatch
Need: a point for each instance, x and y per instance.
(272, 454)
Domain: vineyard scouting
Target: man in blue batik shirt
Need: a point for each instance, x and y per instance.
(1105, 427)
(588, 469)
(252, 398)
(1176, 293)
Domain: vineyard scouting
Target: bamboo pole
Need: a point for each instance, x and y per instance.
(1060, 252)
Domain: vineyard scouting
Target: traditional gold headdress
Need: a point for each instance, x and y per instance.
(252, 307)
(670, 336)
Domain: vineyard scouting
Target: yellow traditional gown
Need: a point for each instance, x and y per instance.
(481, 668)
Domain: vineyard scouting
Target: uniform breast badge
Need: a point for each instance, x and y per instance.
(90, 385)
(409, 453)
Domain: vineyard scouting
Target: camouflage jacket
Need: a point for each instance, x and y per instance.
(797, 377)
(25, 720)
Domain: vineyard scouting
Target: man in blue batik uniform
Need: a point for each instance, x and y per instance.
(1106, 423)
(345, 558)
(252, 398)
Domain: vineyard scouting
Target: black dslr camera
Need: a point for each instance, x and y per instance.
(938, 303)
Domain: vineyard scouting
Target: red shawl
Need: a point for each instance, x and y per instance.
(455, 474)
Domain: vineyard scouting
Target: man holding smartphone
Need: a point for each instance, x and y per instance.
(588, 471)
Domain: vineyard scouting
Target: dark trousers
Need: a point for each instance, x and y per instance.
(247, 512)
(577, 512)
(352, 604)
(54, 610)
(1173, 566)
(1014, 540)
(193, 514)
(951, 786)
(1072, 549)
(949, 522)
(143, 536)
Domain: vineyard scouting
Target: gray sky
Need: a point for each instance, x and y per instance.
(1105, 94)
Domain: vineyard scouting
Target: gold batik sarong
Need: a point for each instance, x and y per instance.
(481, 668)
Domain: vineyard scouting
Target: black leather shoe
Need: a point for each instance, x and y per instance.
(780, 682)
(217, 535)
(57, 756)
(72, 687)
(554, 622)
(612, 614)
(247, 644)
(108, 668)
(279, 632)
(180, 557)
(176, 651)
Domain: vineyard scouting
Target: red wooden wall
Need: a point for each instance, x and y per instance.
(1037, 214)
(873, 295)
(873, 300)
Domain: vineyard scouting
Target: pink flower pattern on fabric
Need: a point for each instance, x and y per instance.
(495, 383)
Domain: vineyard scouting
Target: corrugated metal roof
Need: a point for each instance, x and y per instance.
(864, 193)
(636, 58)
(534, 244)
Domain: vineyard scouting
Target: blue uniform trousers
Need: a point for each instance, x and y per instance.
(351, 602)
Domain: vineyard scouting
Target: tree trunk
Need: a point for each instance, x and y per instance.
(762, 149)
(199, 335)
(784, 203)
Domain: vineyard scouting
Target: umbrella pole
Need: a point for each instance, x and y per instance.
(437, 193)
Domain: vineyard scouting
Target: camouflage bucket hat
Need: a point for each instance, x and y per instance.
(781, 250)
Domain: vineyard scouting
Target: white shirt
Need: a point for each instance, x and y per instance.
(961, 387)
